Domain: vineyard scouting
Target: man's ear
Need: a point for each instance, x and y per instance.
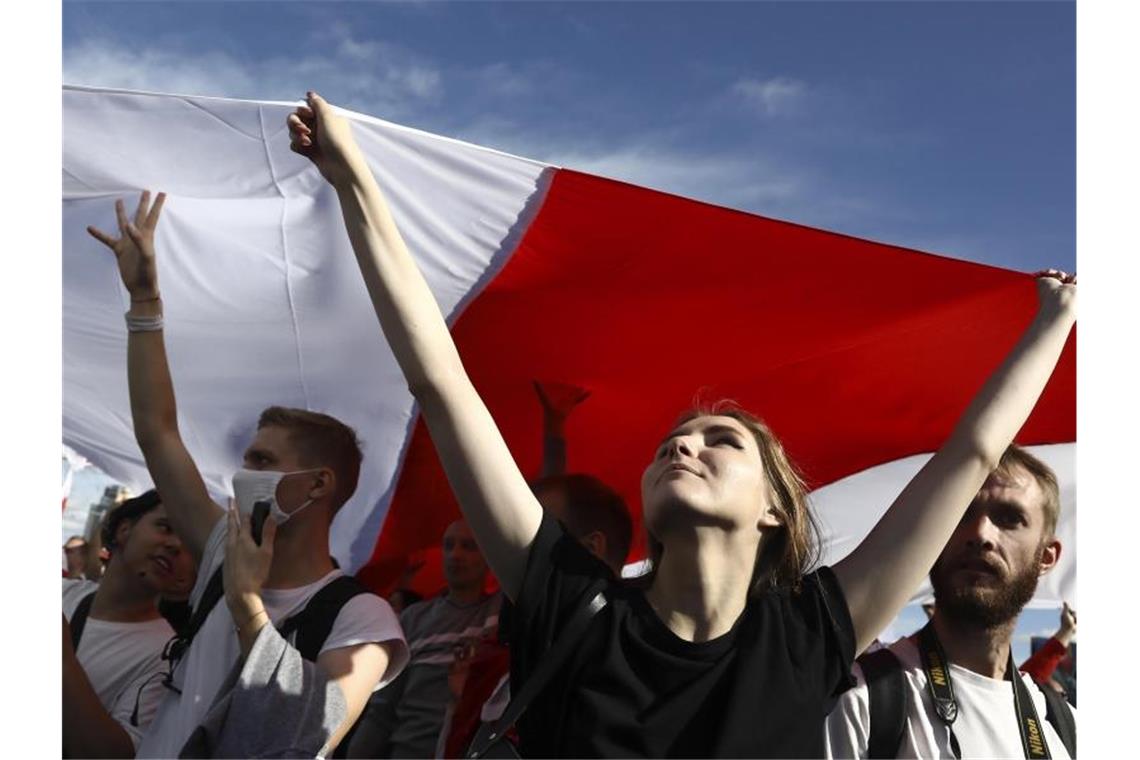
(1049, 556)
(325, 483)
(595, 542)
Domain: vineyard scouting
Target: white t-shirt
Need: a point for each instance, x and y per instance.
(364, 618)
(986, 725)
(123, 661)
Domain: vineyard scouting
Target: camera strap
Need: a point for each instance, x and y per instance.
(941, 689)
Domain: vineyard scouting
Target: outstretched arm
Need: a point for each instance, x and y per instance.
(558, 400)
(1044, 661)
(153, 410)
(493, 494)
(881, 573)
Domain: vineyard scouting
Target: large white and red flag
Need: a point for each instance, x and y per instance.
(860, 355)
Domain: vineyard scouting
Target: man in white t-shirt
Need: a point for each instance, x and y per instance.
(302, 467)
(112, 674)
(986, 574)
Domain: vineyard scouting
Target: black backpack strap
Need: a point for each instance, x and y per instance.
(886, 692)
(594, 600)
(178, 645)
(315, 621)
(79, 619)
(1060, 716)
(212, 594)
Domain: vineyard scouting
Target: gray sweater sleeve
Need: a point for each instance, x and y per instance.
(274, 704)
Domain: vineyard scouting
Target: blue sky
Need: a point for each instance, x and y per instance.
(947, 127)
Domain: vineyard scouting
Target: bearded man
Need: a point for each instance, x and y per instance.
(952, 682)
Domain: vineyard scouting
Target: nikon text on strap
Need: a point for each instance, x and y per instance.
(941, 689)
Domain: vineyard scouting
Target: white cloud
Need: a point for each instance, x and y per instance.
(503, 80)
(372, 76)
(382, 79)
(777, 96)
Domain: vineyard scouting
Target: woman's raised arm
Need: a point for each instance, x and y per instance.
(493, 494)
(884, 570)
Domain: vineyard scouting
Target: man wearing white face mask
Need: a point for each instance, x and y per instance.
(300, 469)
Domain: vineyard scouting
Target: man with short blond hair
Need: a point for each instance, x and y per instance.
(297, 472)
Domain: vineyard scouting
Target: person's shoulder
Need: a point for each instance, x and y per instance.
(413, 614)
(493, 603)
(74, 590)
(905, 649)
(1032, 685)
(78, 585)
(371, 605)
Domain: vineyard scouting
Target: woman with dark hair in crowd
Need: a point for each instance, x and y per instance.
(732, 648)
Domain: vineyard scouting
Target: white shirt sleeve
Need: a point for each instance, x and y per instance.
(848, 726)
(149, 692)
(213, 554)
(367, 618)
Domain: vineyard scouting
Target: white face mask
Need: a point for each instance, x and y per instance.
(252, 486)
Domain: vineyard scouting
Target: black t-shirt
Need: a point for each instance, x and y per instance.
(633, 688)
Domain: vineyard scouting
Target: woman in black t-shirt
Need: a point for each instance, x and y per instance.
(730, 649)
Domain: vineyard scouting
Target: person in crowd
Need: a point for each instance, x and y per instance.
(403, 598)
(593, 514)
(406, 720)
(590, 511)
(1044, 661)
(729, 647)
(75, 553)
(985, 575)
(113, 634)
(303, 466)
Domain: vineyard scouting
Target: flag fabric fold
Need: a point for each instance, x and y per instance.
(856, 353)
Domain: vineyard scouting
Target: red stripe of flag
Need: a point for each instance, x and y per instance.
(855, 352)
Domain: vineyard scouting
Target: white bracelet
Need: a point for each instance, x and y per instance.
(143, 324)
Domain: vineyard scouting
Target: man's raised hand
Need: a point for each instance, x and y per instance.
(134, 248)
(324, 137)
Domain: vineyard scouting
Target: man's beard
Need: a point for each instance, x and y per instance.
(987, 607)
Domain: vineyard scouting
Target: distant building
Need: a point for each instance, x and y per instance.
(113, 496)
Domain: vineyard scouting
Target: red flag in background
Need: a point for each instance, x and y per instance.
(856, 353)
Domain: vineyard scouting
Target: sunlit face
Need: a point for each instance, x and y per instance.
(152, 551)
(273, 450)
(463, 563)
(989, 568)
(706, 471)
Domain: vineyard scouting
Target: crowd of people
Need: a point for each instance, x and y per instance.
(218, 632)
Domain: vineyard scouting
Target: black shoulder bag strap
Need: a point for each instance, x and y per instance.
(177, 646)
(886, 692)
(1060, 716)
(487, 737)
(942, 692)
(79, 619)
(314, 623)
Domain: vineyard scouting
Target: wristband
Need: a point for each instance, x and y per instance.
(145, 300)
(143, 324)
